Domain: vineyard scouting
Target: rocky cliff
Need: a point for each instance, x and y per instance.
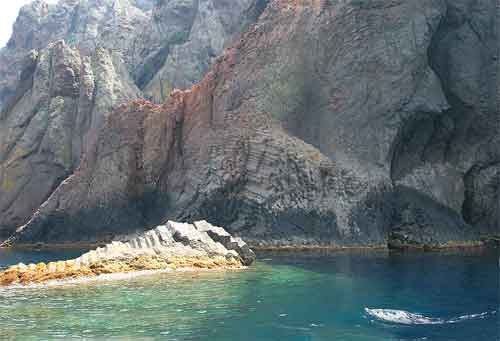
(60, 102)
(55, 95)
(184, 40)
(165, 44)
(328, 123)
(84, 25)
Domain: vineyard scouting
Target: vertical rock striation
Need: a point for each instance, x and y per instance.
(164, 44)
(83, 24)
(60, 102)
(185, 39)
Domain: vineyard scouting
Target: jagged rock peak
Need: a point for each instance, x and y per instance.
(83, 24)
(164, 44)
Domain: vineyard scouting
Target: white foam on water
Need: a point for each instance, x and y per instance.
(408, 318)
(401, 317)
(472, 317)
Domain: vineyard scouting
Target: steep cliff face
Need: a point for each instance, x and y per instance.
(83, 24)
(61, 100)
(194, 33)
(110, 46)
(453, 157)
(165, 44)
(329, 122)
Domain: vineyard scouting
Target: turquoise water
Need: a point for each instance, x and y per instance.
(302, 296)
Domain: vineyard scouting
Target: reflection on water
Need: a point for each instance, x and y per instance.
(301, 296)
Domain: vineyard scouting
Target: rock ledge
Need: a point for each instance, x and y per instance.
(172, 246)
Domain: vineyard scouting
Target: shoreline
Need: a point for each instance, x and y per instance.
(473, 245)
(465, 248)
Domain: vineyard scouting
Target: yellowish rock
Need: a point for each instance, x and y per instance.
(41, 267)
(60, 266)
(154, 250)
(63, 270)
(52, 267)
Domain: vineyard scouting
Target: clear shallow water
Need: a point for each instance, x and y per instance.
(306, 296)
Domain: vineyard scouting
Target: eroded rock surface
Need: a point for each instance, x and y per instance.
(164, 44)
(61, 101)
(452, 157)
(184, 40)
(67, 65)
(84, 25)
(172, 246)
(329, 123)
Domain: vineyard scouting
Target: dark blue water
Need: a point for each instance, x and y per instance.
(301, 296)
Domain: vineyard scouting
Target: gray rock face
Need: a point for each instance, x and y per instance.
(179, 37)
(453, 157)
(61, 100)
(56, 96)
(186, 38)
(85, 24)
(329, 123)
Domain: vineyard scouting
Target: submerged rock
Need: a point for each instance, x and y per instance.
(172, 246)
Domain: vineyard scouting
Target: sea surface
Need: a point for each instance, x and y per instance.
(376, 295)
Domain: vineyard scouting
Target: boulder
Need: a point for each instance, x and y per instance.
(221, 236)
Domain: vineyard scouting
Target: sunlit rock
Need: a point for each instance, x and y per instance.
(172, 246)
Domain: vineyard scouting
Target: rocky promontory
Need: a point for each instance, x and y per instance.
(174, 246)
